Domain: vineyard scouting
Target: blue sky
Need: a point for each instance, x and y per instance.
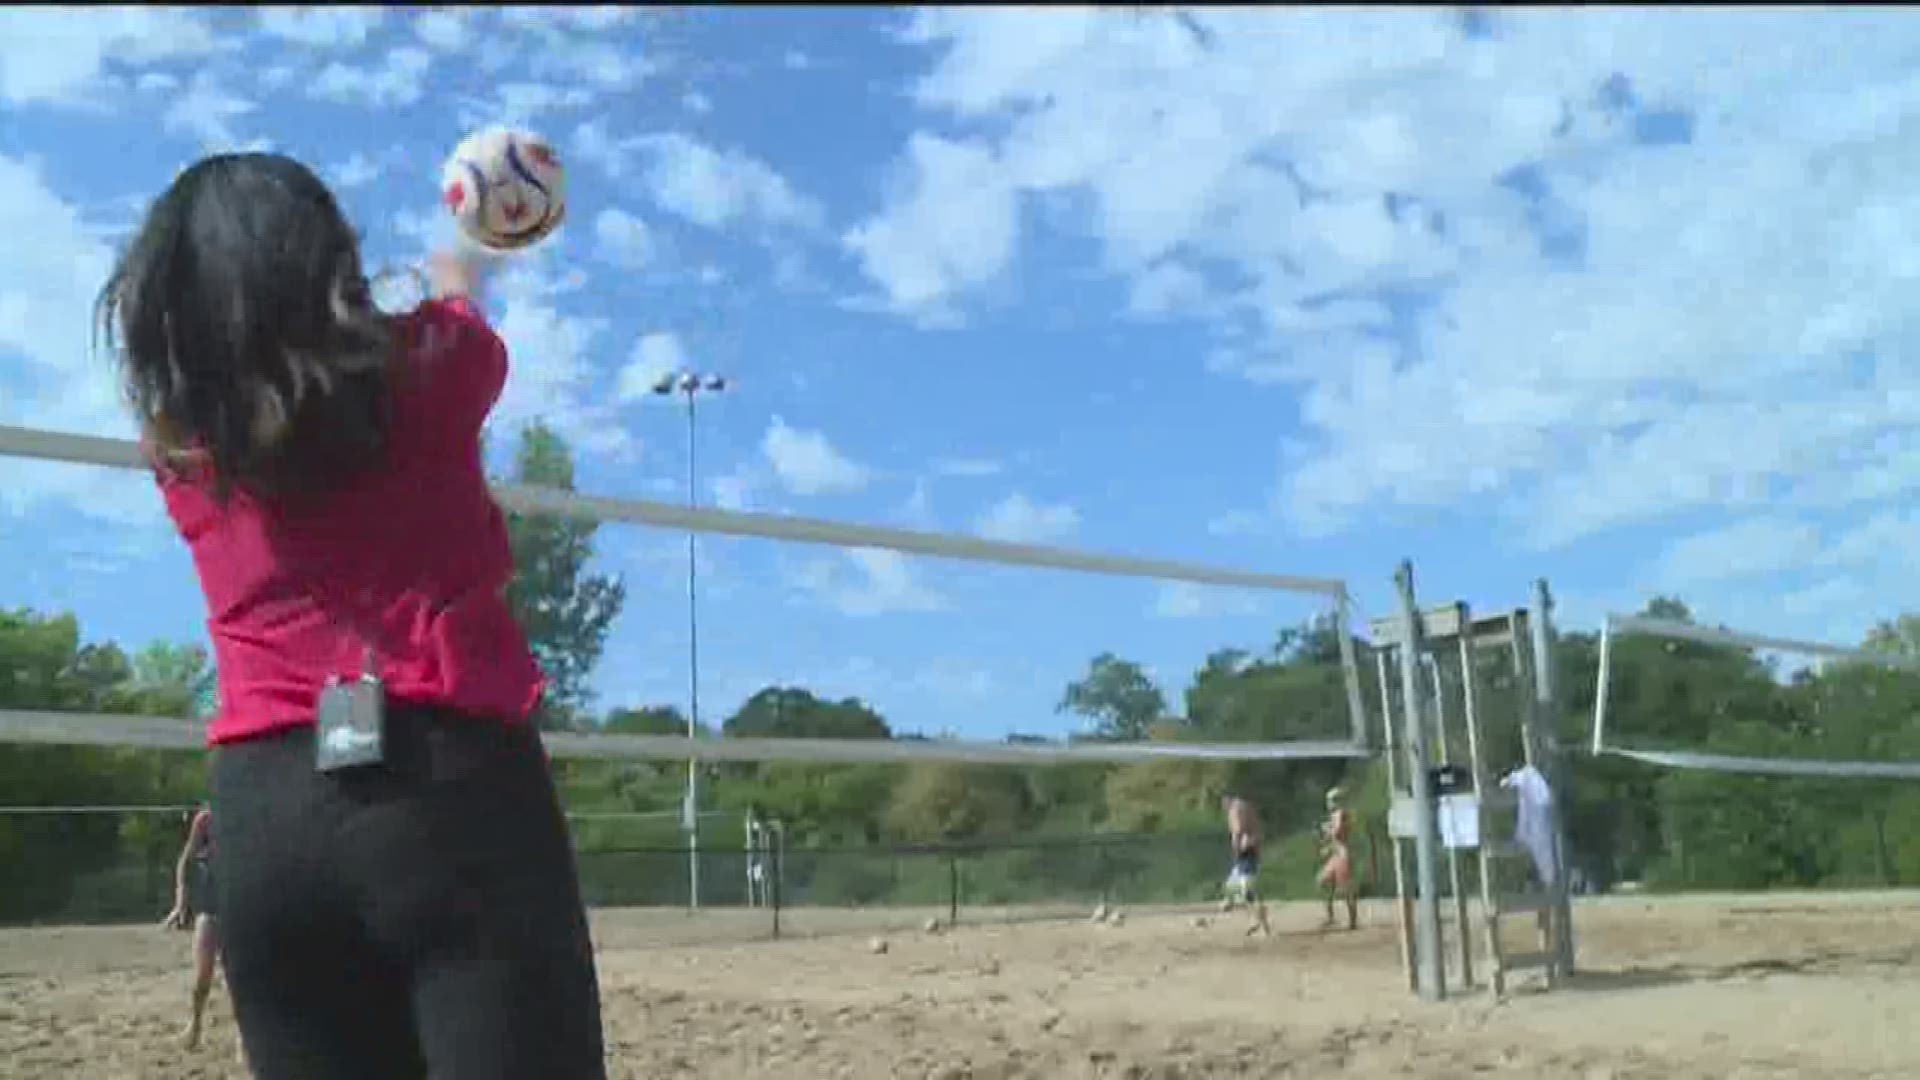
(1619, 298)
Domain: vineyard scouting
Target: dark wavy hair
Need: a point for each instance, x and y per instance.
(246, 334)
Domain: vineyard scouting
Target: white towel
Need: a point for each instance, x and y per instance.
(1534, 830)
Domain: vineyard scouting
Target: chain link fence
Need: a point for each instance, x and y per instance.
(826, 890)
(106, 866)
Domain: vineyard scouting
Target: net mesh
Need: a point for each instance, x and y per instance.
(943, 726)
(1674, 694)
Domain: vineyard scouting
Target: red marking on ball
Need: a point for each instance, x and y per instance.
(542, 155)
(456, 195)
(513, 212)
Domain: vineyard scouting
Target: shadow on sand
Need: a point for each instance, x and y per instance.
(1824, 962)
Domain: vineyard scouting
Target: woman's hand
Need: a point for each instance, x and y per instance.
(177, 918)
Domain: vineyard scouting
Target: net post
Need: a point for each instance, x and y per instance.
(1430, 963)
(1603, 684)
(1390, 752)
(779, 869)
(1350, 667)
(953, 888)
(1444, 756)
(1546, 723)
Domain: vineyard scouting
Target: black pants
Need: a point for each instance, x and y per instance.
(420, 918)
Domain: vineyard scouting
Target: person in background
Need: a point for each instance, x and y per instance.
(195, 905)
(1336, 869)
(397, 889)
(1243, 838)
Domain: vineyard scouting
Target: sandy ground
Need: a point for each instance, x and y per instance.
(1724, 989)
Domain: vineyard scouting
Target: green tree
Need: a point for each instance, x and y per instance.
(942, 801)
(44, 664)
(820, 804)
(1159, 796)
(1296, 692)
(1117, 696)
(781, 712)
(565, 609)
(164, 679)
(646, 720)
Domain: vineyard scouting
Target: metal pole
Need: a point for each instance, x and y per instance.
(1546, 723)
(1390, 748)
(750, 829)
(779, 869)
(1523, 676)
(1430, 962)
(1444, 756)
(1477, 764)
(693, 663)
(1604, 686)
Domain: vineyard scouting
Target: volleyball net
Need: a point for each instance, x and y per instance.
(1679, 695)
(929, 716)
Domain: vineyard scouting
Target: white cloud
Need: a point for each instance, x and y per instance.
(953, 227)
(807, 464)
(719, 188)
(358, 170)
(49, 55)
(696, 102)
(622, 239)
(522, 102)
(556, 22)
(655, 356)
(1587, 350)
(206, 111)
(553, 376)
(1755, 547)
(1237, 523)
(1886, 539)
(444, 29)
(1773, 574)
(1169, 289)
(322, 27)
(734, 490)
(1185, 600)
(52, 378)
(866, 582)
(1018, 519)
(917, 511)
(968, 467)
(603, 65)
(400, 80)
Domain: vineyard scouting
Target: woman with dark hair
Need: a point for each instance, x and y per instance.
(397, 892)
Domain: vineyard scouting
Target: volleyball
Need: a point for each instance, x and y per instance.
(505, 188)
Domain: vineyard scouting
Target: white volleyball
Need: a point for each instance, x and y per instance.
(505, 188)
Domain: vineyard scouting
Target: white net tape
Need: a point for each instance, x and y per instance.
(158, 733)
(1756, 766)
(1704, 761)
(155, 733)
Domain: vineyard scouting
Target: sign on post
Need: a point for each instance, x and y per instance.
(1458, 819)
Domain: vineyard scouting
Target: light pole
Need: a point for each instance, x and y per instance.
(690, 385)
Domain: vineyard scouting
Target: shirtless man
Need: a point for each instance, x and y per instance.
(193, 905)
(1336, 872)
(1243, 837)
